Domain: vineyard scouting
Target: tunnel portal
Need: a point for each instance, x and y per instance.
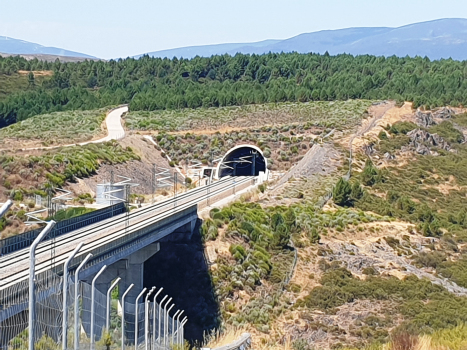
(242, 160)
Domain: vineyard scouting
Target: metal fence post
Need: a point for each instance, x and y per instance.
(123, 315)
(166, 325)
(182, 325)
(76, 328)
(159, 319)
(107, 313)
(136, 316)
(146, 317)
(173, 326)
(65, 296)
(178, 323)
(5, 206)
(32, 273)
(154, 304)
(93, 293)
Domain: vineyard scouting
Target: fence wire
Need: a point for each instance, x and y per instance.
(155, 330)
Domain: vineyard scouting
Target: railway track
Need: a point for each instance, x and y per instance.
(14, 267)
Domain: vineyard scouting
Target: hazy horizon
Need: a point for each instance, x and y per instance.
(113, 29)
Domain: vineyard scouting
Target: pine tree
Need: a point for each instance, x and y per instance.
(369, 174)
(31, 79)
(341, 192)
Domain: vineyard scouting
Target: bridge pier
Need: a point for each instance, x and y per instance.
(134, 271)
(130, 270)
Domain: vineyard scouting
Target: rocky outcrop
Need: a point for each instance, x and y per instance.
(444, 113)
(424, 120)
(421, 141)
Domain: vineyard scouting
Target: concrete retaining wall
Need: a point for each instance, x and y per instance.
(242, 343)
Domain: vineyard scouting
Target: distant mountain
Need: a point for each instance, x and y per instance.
(209, 50)
(443, 38)
(15, 46)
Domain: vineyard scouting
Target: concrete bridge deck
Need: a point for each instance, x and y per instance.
(117, 237)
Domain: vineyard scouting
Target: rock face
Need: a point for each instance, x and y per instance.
(421, 140)
(424, 119)
(444, 113)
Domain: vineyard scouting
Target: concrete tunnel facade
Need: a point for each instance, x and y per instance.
(242, 160)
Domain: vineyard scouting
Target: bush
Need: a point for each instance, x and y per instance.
(402, 128)
(433, 259)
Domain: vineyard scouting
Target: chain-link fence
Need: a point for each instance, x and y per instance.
(155, 330)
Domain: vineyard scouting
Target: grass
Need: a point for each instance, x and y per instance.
(335, 114)
(218, 338)
(56, 128)
(261, 253)
(69, 213)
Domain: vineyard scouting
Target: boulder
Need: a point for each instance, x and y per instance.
(368, 149)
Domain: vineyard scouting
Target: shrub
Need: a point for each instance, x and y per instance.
(433, 259)
(402, 128)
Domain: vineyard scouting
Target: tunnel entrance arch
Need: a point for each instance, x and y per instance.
(242, 160)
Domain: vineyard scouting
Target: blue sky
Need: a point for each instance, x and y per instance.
(117, 28)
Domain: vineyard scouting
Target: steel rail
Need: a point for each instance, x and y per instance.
(19, 255)
(145, 221)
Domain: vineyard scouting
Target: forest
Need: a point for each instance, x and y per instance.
(158, 84)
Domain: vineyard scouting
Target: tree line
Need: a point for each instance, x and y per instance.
(223, 80)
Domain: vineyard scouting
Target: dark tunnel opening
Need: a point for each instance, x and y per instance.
(180, 267)
(243, 161)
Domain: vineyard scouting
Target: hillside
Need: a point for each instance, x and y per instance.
(151, 84)
(381, 263)
(444, 38)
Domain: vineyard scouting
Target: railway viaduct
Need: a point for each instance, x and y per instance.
(122, 242)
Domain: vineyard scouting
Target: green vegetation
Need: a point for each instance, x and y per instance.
(262, 253)
(424, 306)
(58, 127)
(335, 114)
(455, 270)
(158, 84)
(63, 164)
(413, 192)
(70, 213)
(448, 132)
(278, 144)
